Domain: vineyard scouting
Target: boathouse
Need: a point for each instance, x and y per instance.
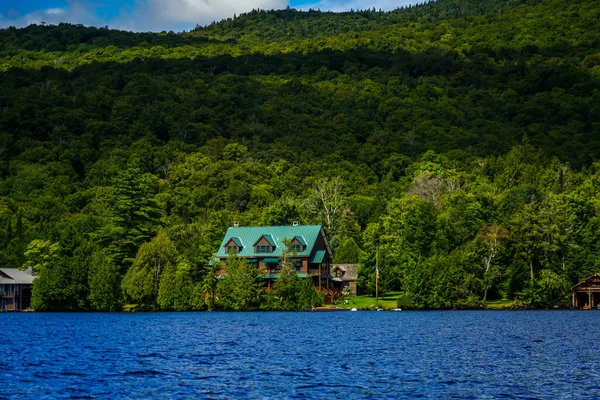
(264, 246)
(15, 289)
(586, 294)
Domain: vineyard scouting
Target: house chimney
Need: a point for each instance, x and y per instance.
(295, 223)
(236, 224)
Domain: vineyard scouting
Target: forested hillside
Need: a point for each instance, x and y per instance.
(459, 137)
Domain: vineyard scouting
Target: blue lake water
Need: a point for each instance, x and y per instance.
(447, 354)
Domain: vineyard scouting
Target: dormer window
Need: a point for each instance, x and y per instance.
(339, 271)
(298, 244)
(234, 244)
(261, 248)
(265, 244)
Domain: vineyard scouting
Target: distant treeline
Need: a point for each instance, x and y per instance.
(458, 137)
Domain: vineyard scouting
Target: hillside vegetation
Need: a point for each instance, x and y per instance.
(458, 137)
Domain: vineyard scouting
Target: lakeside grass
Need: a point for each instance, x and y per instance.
(369, 302)
(503, 304)
(387, 302)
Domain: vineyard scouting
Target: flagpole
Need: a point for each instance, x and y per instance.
(377, 277)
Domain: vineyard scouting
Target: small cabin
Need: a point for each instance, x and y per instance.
(15, 289)
(345, 275)
(586, 294)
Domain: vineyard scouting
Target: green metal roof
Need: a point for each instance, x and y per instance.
(251, 234)
(271, 260)
(317, 257)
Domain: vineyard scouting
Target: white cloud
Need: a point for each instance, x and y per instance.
(145, 15)
(156, 15)
(55, 11)
(76, 12)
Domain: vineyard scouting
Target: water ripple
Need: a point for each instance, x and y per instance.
(453, 354)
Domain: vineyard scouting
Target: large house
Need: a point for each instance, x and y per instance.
(264, 245)
(15, 289)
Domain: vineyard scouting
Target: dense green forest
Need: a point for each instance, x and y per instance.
(460, 137)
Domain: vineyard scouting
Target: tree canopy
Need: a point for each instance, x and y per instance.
(458, 137)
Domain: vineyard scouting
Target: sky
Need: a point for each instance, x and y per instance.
(159, 15)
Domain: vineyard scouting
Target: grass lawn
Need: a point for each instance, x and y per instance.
(368, 302)
(503, 304)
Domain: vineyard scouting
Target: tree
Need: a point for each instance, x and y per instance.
(142, 281)
(205, 293)
(492, 237)
(176, 290)
(104, 283)
(43, 258)
(290, 291)
(240, 288)
(129, 211)
(347, 253)
(526, 235)
(40, 255)
(326, 201)
(349, 228)
(555, 286)
(410, 229)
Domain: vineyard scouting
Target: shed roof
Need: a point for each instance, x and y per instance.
(276, 234)
(15, 276)
(317, 257)
(588, 283)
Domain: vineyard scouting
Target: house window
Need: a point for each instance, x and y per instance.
(339, 273)
(297, 248)
(261, 248)
(232, 248)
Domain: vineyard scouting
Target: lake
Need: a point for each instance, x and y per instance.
(460, 354)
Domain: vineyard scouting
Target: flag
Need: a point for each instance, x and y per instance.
(377, 263)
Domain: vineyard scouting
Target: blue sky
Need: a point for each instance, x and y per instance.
(158, 15)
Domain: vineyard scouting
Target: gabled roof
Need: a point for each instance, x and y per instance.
(276, 234)
(237, 241)
(15, 277)
(592, 281)
(300, 240)
(268, 238)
